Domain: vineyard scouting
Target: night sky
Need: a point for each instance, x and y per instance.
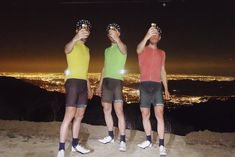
(198, 36)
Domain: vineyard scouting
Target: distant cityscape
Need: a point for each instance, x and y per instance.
(55, 82)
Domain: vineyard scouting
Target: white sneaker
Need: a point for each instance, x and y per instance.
(145, 144)
(80, 149)
(106, 140)
(60, 153)
(122, 146)
(162, 150)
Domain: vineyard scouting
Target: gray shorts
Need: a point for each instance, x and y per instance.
(112, 90)
(76, 93)
(150, 93)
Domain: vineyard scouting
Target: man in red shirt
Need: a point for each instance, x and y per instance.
(152, 76)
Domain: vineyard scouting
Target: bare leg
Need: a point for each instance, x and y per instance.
(159, 111)
(118, 107)
(68, 117)
(107, 108)
(77, 121)
(146, 120)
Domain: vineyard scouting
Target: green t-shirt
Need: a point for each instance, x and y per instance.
(114, 62)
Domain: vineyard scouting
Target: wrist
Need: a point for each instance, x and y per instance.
(117, 40)
(75, 40)
(89, 89)
(100, 85)
(146, 39)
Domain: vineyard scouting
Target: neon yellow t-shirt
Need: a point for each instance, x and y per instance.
(78, 62)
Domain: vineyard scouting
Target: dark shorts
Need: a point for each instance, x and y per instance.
(76, 93)
(150, 93)
(112, 90)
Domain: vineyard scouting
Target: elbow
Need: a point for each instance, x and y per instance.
(139, 50)
(66, 50)
(124, 50)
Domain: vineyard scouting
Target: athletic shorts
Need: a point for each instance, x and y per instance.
(112, 90)
(76, 93)
(150, 93)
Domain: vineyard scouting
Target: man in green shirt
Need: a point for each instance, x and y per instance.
(111, 84)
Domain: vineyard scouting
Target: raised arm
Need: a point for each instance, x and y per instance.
(116, 38)
(122, 46)
(79, 35)
(69, 47)
(141, 45)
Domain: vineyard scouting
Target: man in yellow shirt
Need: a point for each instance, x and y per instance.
(77, 87)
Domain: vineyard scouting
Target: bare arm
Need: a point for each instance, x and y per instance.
(142, 44)
(98, 91)
(164, 80)
(90, 93)
(122, 46)
(101, 77)
(79, 35)
(69, 46)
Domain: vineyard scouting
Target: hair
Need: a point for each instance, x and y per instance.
(81, 22)
(115, 25)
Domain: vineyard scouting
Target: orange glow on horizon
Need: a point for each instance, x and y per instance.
(57, 64)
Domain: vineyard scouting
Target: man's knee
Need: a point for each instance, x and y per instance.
(79, 117)
(70, 113)
(159, 114)
(145, 115)
(120, 113)
(107, 108)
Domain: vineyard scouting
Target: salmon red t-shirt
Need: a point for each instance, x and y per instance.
(150, 64)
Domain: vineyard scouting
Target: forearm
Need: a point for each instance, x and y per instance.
(122, 46)
(164, 80)
(88, 85)
(101, 78)
(141, 45)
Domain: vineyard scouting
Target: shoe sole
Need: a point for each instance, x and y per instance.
(81, 152)
(149, 146)
(162, 154)
(121, 150)
(61, 155)
(74, 150)
(112, 141)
